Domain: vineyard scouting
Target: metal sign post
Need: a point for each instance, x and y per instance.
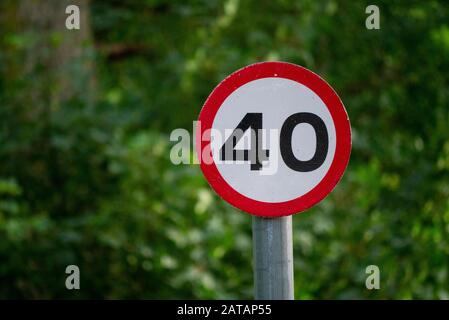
(273, 258)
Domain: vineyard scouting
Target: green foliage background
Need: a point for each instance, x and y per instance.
(89, 181)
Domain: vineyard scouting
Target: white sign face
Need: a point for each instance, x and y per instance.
(280, 139)
(275, 99)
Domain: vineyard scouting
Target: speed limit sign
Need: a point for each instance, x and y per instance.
(273, 139)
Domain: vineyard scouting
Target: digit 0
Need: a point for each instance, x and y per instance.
(322, 142)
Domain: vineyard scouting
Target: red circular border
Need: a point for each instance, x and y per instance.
(332, 102)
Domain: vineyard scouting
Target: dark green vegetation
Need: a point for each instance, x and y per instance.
(85, 176)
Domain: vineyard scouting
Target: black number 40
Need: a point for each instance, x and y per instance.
(256, 155)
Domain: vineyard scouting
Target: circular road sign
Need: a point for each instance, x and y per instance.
(273, 139)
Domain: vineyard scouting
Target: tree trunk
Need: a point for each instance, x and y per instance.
(48, 74)
(59, 50)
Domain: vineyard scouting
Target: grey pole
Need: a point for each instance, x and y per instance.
(273, 258)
